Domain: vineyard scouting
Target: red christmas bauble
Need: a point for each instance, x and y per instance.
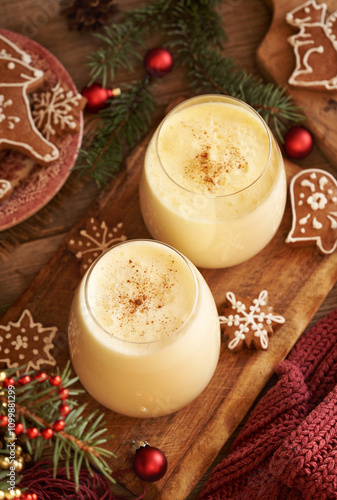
(97, 97)
(149, 463)
(298, 143)
(59, 425)
(47, 433)
(158, 62)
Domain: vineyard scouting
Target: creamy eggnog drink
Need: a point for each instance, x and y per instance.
(144, 333)
(213, 184)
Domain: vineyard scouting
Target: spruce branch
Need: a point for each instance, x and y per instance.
(121, 125)
(194, 33)
(80, 442)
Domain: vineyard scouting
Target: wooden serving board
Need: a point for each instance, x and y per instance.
(276, 62)
(297, 280)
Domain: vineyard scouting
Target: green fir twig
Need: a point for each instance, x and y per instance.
(79, 444)
(194, 34)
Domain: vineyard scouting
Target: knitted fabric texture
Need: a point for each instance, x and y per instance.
(288, 448)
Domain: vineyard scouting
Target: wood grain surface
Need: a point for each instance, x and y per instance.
(276, 62)
(35, 264)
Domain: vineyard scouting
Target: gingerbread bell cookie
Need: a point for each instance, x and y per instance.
(18, 78)
(248, 321)
(314, 46)
(313, 195)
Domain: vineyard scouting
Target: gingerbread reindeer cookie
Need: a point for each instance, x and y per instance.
(315, 46)
(17, 130)
(313, 195)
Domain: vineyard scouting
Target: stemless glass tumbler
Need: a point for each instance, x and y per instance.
(144, 332)
(213, 183)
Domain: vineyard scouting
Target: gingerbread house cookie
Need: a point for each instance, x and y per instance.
(313, 195)
(314, 46)
(18, 78)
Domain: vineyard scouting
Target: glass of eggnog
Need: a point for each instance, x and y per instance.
(144, 332)
(213, 183)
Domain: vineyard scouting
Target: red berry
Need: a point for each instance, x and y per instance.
(64, 409)
(18, 429)
(63, 393)
(9, 381)
(25, 379)
(32, 432)
(34, 496)
(3, 420)
(55, 380)
(59, 425)
(41, 377)
(47, 433)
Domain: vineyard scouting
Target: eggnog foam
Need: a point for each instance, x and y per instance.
(213, 148)
(141, 291)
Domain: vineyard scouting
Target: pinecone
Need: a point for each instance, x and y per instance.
(87, 15)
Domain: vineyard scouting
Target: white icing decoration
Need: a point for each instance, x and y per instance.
(5, 187)
(54, 108)
(33, 142)
(317, 201)
(304, 43)
(11, 65)
(322, 182)
(253, 319)
(304, 220)
(308, 184)
(316, 224)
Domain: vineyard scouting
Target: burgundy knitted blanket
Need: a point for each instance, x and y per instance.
(288, 447)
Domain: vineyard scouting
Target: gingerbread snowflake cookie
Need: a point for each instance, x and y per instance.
(56, 111)
(313, 195)
(26, 343)
(249, 321)
(94, 240)
(18, 78)
(314, 46)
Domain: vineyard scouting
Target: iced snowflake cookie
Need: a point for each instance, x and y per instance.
(94, 240)
(249, 321)
(313, 195)
(18, 78)
(314, 46)
(5, 189)
(56, 111)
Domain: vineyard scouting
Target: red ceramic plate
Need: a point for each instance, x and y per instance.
(36, 185)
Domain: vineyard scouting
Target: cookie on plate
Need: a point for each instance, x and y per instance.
(17, 130)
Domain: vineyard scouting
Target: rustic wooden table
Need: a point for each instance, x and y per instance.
(26, 248)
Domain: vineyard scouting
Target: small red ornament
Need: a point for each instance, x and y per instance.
(41, 377)
(149, 463)
(25, 379)
(158, 62)
(63, 393)
(59, 425)
(18, 429)
(8, 382)
(97, 97)
(64, 409)
(298, 143)
(55, 380)
(32, 432)
(47, 433)
(3, 420)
